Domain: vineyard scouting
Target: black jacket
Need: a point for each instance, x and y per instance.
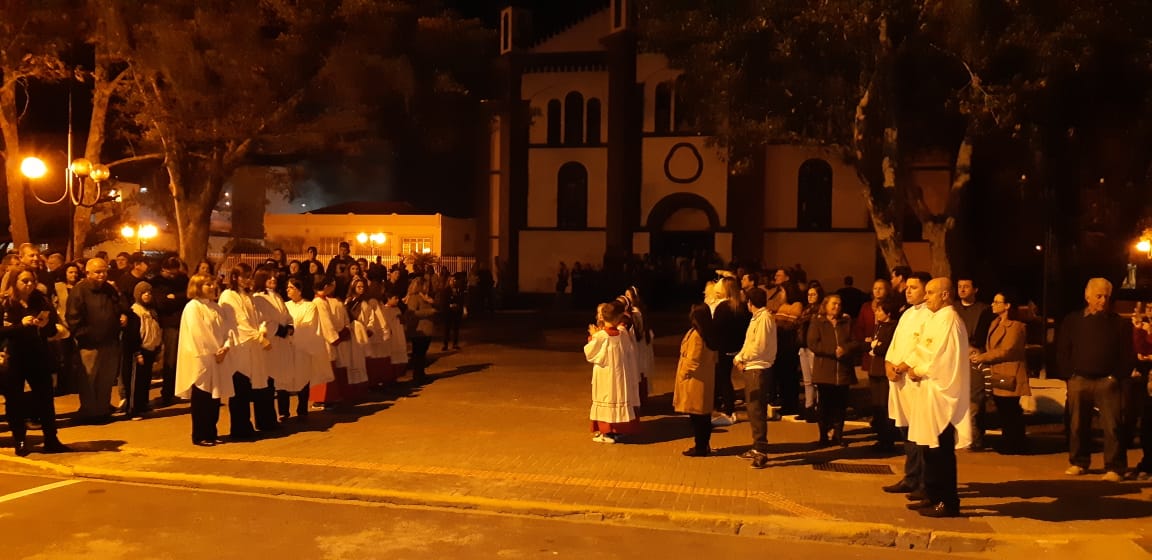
(94, 314)
(169, 309)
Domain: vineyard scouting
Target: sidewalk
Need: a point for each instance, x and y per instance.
(505, 429)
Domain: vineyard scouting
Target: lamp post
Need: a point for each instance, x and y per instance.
(372, 240)
(75, 191)
(141, 233)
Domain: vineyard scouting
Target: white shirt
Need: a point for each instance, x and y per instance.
(759, 350)
(940, 359)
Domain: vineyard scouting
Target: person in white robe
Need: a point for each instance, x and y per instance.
(205, 340)
(904, 341)
(273, 314)
(310, 357)
(248, 360)
(371, 334)
(353, 308)
(613, 411)
(938, 410)
(397, 341)
(333, 320)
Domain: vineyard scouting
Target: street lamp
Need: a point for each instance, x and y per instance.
(142, 233)
(75, 176)
(372, 240)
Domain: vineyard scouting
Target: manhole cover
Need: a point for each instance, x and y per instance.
(853, 468)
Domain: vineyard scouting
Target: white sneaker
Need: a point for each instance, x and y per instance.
(733, 418)
(1074, 470)
(603, 439)
(722, 420)
(1112, 476)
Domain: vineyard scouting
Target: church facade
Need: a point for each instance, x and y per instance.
(591, 160)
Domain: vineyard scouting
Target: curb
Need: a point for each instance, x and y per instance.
(771, 526)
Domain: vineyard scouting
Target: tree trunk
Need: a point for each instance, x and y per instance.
(17, 219)
(936, 234)
(194, 205)
(102, 88)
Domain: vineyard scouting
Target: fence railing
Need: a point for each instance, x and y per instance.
(227, 261)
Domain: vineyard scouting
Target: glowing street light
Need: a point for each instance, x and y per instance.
(141, 234)
(1144, 246)
(372, 240)
(33, 167)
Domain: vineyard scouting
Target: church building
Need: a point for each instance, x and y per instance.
(591, 159)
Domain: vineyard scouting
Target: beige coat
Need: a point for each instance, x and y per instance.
(695, 376)
(1005, 355)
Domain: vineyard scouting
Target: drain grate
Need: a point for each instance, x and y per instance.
(853, 468)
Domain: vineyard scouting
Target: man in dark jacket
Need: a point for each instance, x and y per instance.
(95, 318)
(170, 292)
(1094, 351)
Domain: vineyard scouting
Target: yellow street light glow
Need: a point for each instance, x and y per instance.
(33, 167)
(128, 231)
(81, 167)
(148, 231)
(377, 238)
(427, 250)
(1144, 246)
(362, 238)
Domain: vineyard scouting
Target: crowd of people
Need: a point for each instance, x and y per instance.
(934, 355)
(256, 336)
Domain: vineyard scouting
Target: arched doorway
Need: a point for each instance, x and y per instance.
(683, 225)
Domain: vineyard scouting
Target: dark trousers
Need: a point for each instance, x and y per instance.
(940, 470)
(301, 402)
(786, 372)
(885, 427)
(913, 462)
(264, 406)
(69, 369)
(20, 406)
(205, 415)
(756, 385)
(725, 399)
(1011, 424)
(452, 320)
(1104, 393)
(140, 381)
(1146, 434)
(701, 430)
(419, 360)
(240, 406)
(832, 410)
(171, 338)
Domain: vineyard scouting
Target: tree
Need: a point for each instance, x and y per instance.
(35, 36)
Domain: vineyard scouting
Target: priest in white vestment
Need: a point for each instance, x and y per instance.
(938, 411)
(900, 392)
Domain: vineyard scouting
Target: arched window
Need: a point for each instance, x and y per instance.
(663, 102)
(594, 121)
(572, 196)
(554, 122)
(573, 119)
(814, 196)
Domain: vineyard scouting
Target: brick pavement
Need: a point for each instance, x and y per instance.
(504, 427)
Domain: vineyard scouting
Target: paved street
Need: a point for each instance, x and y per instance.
(503, 428)
(123, 521)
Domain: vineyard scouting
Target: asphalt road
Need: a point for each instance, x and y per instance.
(45, 518)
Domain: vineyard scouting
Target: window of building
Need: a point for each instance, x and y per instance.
(410, 245)
(572, 196)
(663, 109)
(554, 122)
(814, 196)
(594, 121)
(573, 119)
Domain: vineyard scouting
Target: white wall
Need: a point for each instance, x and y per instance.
(543, 166)
(712, 184)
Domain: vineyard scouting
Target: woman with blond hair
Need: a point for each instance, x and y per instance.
(419, 328)
(205, 340)
(730, 320)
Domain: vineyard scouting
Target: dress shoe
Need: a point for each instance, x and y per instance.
(22, 449)
(54, 446)
(916, 496)
(205, 443)
(695, 452)
(760, 462)
(898, 488)
(921, 504)
(750, 454)
(940, 510)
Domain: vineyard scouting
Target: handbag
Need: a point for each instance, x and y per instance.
(1004, 382)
